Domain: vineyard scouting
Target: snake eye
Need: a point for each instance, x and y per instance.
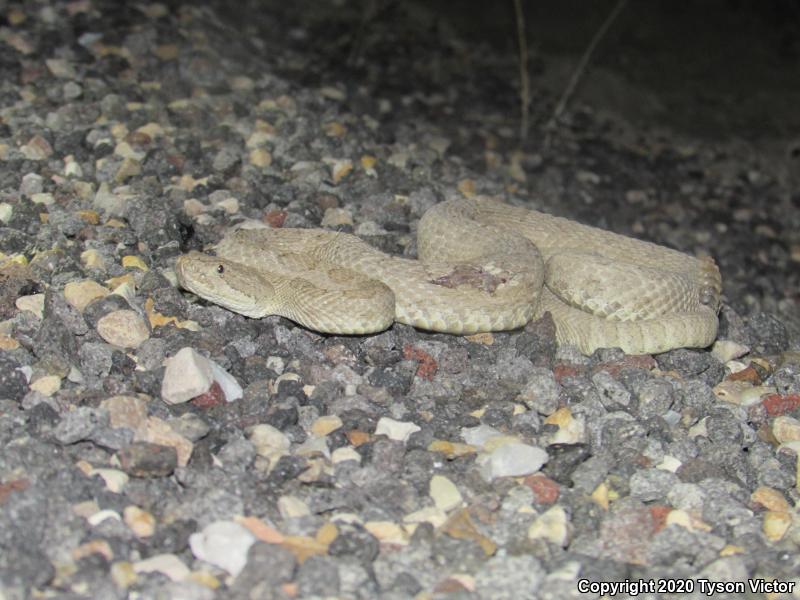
(220, 269)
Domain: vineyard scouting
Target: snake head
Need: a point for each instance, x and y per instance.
(235, 286)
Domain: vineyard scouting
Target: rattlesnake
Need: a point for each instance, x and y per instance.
(483, 266)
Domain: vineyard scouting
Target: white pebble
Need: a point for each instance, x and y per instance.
(292, 507)
(512, 460)
(444, 493)
(725, 350)
(190, 374)
(396, 430)
(552, 525)
(123, 328)
(223, 544)
(478, 436)
(268, 439)
(166, 564)
(103, 515)
(344, 454)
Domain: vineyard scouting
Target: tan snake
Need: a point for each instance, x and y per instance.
(483, 266)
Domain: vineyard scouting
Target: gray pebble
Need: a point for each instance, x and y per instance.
(786, 379)
(770, 334)
(13, 384)
(655, 397)
(95, 360)
(268, 566)
(612, 393)
(318, 576)
(80, 424)
(541, 391)
(510, 577)
(650, 485)
(142, 459)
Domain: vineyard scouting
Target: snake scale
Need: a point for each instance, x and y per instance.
(483, 266)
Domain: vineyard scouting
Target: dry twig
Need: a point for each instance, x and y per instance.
(581, 68)
(524, 79)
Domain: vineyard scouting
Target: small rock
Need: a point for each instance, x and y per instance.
(612, 393)
(166, 564)
(652, 484)
(786, 429)
(325, 425)
(626, 532)
(99, 516)
(142, 459)
(341, 169)
(552, 525)
(336, 217)
(269, 567)
(79, 424)
(125, 411)
(541, 391)
(37, 148)
(344, 454)
(387, 532)
(122, 574)
(679, 517)
(292, 507)
(303, 547)
(318, 577)
(725, 350)
(189, 374)
(728, 568)
(33, 303)
(770, 499)
(223, 544)
(157, 431)
(656, 397)
(776, 524)
(134, 262)
(229, 205)
(123, 328)
(140, 522)
(395, 430)
(61, 68)
(45, 198)
(213, 397)
(513, 459)
(430, 514)
(32, 183)
(262, 531)
(480, 435)
(82, 293)
(545, 490)
(444, 493)
(114, 479)
(47, 385)
(268, 440)
(190, 426)
(571, 430)
(260, 157)
(92, 259)
(313, 446)
(13, 383)
(504, 578)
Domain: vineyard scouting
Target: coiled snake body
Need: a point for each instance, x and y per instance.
(483, 266)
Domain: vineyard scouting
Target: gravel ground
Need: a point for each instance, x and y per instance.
(156, 446)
